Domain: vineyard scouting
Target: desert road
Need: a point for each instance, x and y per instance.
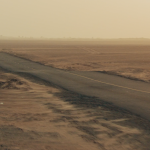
(131, 95)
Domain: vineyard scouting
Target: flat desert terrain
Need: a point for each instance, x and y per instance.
(37, 116)
(127, 59)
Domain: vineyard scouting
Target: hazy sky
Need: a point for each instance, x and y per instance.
(75, 18)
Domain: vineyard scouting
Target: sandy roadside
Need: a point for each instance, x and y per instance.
(34, 116)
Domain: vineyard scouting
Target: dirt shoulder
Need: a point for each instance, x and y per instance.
(34, 116)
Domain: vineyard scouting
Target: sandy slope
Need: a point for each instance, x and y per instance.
(34, 116)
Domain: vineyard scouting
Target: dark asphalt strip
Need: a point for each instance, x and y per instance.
(87, 83)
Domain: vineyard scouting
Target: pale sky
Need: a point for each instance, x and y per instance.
(75, 18)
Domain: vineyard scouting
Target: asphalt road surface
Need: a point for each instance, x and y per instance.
(125, 93)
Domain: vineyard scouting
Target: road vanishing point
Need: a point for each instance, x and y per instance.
(131, 95)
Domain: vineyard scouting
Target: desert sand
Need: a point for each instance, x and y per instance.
(126, 59)
(36, 116)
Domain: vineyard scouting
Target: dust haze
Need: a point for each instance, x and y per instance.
(75, 18)
(109, 37)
